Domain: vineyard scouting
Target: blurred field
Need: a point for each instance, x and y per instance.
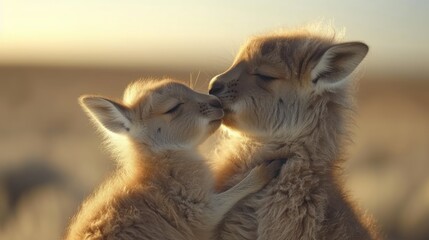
(51, 156)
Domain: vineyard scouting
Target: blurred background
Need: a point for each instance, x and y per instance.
(51, 52)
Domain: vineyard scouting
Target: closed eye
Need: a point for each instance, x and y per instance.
(174, 109)
(265, 77)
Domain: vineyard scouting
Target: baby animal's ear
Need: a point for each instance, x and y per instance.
(107, 113)
(338, 62)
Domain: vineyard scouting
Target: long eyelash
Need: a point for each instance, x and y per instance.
(175, 108)
(265, 77)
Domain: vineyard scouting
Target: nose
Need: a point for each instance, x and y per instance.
(216, 87)
(215, 103)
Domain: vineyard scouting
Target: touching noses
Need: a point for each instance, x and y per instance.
(215, 103)
(216, 86)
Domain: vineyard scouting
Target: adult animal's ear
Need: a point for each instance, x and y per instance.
(338, 62)
(107, 113)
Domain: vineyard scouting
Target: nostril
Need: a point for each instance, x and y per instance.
(215, 103)
(216, 88)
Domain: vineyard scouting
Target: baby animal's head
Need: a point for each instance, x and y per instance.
(161, 115)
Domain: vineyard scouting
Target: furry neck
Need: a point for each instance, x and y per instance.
(179, 173)
(320, 141)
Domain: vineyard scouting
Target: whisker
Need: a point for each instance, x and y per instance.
(197, 78)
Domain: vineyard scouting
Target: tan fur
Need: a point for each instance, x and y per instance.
(163, 188)
(287, 95)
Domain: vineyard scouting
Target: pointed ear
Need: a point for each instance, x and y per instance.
(113, 116)
(337, 63)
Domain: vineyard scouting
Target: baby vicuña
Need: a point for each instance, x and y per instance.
(288, 94)
(163, 188)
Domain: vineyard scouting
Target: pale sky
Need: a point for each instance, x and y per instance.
(198, 32)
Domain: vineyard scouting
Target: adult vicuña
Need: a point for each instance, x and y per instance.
(287, 94)
(163, 188)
